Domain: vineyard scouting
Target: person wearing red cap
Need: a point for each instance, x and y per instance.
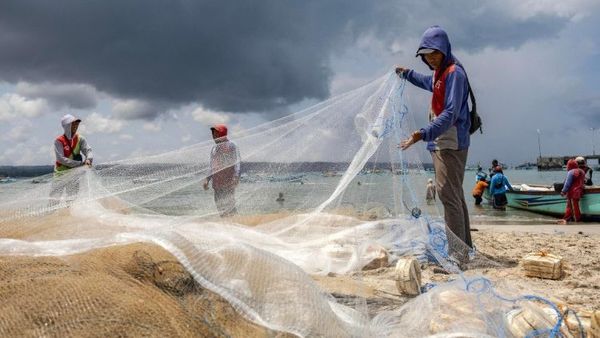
(224, 171)
(573, 190)
(68, 150)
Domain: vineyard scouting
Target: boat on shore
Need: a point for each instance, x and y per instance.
(545, 200)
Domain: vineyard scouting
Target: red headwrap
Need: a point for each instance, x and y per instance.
(221, 130)
(572, 164)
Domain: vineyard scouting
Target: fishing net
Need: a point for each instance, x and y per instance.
(138, 248)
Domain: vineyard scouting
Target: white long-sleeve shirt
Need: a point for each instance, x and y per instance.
(224, 156)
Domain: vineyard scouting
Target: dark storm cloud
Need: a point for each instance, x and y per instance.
(474, 25)
(228, 55)
(61, 95)
(139, 109)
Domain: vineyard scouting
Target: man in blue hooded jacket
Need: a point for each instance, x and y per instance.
(447, 134)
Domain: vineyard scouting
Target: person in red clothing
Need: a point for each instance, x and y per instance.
(573, 190)
(224, 171)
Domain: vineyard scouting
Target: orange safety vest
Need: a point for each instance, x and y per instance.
(70, 149)
(438, 99)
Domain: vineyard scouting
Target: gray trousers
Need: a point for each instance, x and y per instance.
(449, 174)
(225, 201)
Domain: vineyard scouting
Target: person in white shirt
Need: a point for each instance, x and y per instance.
(68, 150)
(224, 171)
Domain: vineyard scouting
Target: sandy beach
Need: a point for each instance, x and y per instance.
(579, 288)
(580, 285)
(146, 285)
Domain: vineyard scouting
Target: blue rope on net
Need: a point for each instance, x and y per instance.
(438, 241)
(425, 251)
(482, 285)
(427, 286)
(400, 110)
(579, 323)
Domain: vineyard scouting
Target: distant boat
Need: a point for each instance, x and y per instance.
(402, 172)
(38, 181)
(143, 180)
(7, 179)
(545, 200)
(526, 166)
(291, 178)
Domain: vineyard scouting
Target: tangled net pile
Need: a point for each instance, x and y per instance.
(142, 251)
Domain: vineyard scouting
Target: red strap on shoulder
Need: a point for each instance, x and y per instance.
(70, 145)
(62, 139)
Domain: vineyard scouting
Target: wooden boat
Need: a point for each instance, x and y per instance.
(545, 200)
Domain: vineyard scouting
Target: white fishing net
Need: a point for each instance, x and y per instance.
(137, 247)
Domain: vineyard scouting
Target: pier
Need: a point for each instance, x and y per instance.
(557, 162)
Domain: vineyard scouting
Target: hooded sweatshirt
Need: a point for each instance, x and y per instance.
(59, 151)
(498, 184)
(573, 187)
(449, 114)
(224, 160)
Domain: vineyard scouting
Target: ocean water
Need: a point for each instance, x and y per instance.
(486, 213)
(385, 192)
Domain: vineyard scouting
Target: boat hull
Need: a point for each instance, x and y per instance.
(553, 204)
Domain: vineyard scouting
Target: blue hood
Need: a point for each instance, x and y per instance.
(436, 38)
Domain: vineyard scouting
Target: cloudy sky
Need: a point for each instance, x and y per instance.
(149, 76)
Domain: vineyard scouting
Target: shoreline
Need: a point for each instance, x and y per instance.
(586, 228)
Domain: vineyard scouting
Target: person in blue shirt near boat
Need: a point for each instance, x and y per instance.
(498, 188)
